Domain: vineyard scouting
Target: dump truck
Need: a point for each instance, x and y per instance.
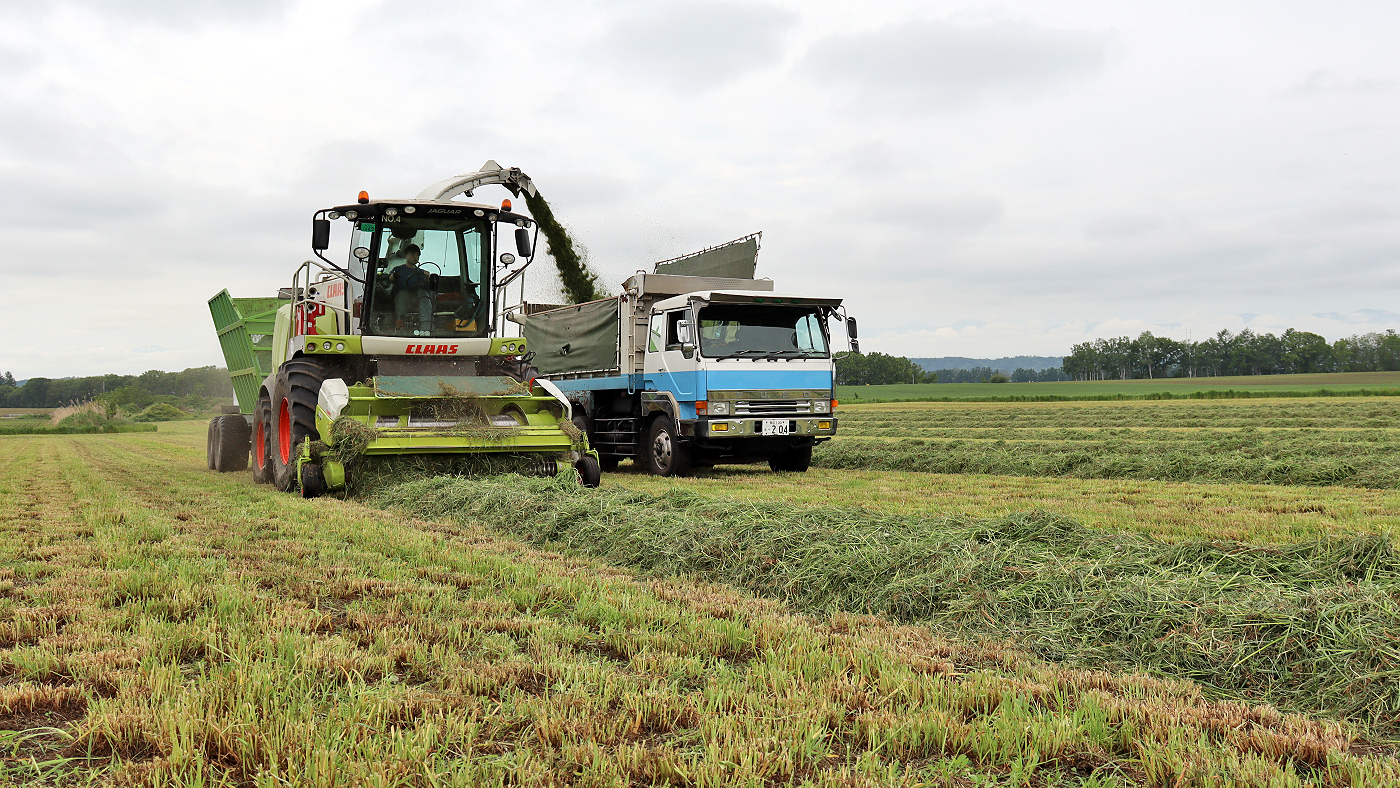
(695, 363)
(393, 353)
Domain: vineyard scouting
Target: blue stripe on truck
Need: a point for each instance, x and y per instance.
(729, 379)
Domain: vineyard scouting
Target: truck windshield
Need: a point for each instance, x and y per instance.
(747, 330)
(428, 282)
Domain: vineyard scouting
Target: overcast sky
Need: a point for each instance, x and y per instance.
(975, 180)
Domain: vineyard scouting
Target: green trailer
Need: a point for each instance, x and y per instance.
(393, 353)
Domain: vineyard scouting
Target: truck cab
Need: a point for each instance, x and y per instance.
(750, 371)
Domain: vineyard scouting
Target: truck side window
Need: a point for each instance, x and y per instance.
(673, 319)
(654, 342)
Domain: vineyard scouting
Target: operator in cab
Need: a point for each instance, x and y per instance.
(410, 286)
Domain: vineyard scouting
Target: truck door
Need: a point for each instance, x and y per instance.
(666, 367)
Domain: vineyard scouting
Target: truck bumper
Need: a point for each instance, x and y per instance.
(740, 428)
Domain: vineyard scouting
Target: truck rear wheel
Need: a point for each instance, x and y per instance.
(666, 456)
(792, 460)
(293, 417)
(262, 440)
(232, 434)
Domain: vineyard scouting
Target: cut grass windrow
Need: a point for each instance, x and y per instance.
(1313, 626)
(1239, 459)
(1317, 443)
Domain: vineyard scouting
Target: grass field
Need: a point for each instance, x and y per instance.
(1266, 385)
(1314, 442)
(162, 624)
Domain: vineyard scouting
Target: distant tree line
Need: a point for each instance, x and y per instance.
(874, 369)
(1245, 353)
(131, 391)
(991, 375)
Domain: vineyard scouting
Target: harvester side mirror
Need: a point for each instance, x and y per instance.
(320, 234)
(522, 241)
(851, 327)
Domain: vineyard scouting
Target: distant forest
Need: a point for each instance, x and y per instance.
(1245, 353)
(192, 385)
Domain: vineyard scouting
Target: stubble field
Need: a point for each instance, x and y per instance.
(162, 624)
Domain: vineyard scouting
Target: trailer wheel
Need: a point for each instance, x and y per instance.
(293, 417)
(666, 456)
(211, 448)
(231, 437)
(262, 440)
(792, 460)
(589, 474)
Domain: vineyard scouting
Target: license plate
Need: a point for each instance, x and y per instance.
(775, 427)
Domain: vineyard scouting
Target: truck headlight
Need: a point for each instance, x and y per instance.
(719, 408)
(821, 406)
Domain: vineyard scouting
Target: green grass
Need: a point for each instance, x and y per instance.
(165, 625)
(44, 428)
(1240, 618)
(1334, 383)
(1315, 442)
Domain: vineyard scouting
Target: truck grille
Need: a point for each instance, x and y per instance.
(771, 406)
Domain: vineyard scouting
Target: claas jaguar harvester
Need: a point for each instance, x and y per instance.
(694, 364)
(393, 353)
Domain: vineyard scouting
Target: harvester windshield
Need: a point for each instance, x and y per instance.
(744, 330)
(427, 281)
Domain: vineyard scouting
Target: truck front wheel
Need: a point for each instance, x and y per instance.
(666, 455)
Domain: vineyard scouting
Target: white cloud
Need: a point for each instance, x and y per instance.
(922, 64)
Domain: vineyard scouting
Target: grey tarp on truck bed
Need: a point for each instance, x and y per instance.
(736, 260)
(580, 338)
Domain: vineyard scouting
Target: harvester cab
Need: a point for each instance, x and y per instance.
(392, 353)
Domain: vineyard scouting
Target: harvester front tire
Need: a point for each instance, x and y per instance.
(666, 456)
(293, 417)
(792, 460)
(233, 437)
(211, 446)
(589, 474)
(262, 441)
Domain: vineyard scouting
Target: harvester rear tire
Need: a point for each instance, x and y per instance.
(262, 440)
(211, 446)
(589, 474)
(792, 461)
(293, 417)
(666, 455)
(234, 434)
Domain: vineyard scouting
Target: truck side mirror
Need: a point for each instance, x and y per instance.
(855, 345)
(683, 331)
(522, 241)
(851, 327)
(320, 234)
(687, 350)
